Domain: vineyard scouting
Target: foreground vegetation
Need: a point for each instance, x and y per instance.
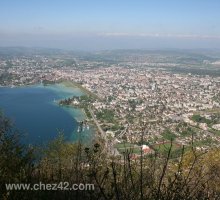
(192, 175)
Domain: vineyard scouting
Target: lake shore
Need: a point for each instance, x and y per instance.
(29, 99)
(77, 113)
(79, 86)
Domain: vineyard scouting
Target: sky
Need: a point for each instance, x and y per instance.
(110, 24)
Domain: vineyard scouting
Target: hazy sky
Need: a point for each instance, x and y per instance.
(110, 24)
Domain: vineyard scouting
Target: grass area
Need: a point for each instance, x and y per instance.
(136, 150)
(164, 147)
(200, 119)
(124, 145)
(168, 135)
(201, 143)
(106, 115)
(128, 147)
(187, 132)
(87, 113)
(216, 132)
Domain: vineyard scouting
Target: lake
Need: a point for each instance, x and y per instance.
(35, 113)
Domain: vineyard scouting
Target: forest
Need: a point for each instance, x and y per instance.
(192, 175)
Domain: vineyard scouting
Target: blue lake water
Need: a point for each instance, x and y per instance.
(35, 113)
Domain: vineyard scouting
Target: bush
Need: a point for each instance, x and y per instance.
(191, 175)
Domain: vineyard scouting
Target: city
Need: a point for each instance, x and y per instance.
(136, 103)
(110, 100)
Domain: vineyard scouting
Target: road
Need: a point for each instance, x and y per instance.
(123, 132)
(109, 145)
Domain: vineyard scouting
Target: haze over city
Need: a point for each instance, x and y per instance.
(99, 25)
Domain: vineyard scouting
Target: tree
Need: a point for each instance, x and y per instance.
(16, 160)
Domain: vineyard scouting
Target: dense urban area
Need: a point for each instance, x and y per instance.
(138, 99)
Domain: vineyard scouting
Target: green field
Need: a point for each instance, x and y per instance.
(200, 119)
(124, 145)
(128, 147)
(168, 135)
(164, 147)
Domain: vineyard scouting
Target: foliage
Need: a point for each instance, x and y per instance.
(106, 115)
(200, 119)
(168, 135)
(191, 175)
(16, 160)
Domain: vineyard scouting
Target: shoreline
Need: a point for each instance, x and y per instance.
(63, 90)
(66, 84)
(74, 109)
(74, 115)
(74, 84)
